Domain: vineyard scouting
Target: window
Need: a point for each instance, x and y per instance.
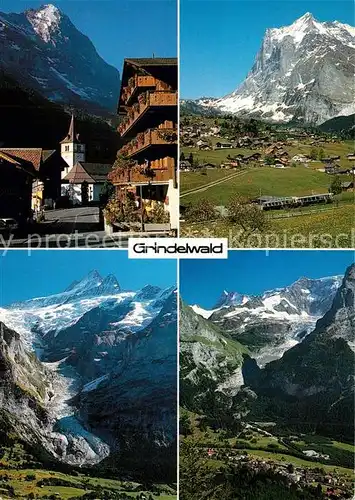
(66, 148)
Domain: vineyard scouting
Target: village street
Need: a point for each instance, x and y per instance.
(72, 227)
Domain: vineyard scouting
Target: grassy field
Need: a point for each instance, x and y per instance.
(330, 229)
(216, 156)
(192, 180)
(293, 181)
(25, 483)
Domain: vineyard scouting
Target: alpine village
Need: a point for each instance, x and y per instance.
(70, 165)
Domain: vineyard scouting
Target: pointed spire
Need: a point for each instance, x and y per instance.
(71, 137)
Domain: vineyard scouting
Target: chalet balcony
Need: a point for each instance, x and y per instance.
(135, 83)
(149, 138)
(140, 175)
(140, 82)
(146, 101)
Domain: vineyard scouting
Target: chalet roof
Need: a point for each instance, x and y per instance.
(30, 155)
(98, 171)
(346, 184)
(144, 62)
(27, 167)
(89, 172)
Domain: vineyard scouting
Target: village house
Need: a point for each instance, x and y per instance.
(351, 156)
(252, 157)
(329, 169)
(223, 145)
(347, 186)
(80, 181)
(148, 131)
(47, 165)
(185, 165)
(300, 158)
(17, 177)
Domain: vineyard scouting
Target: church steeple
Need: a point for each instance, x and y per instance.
(72, 150)
(71, 137)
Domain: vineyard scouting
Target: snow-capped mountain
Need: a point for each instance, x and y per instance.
(44, 51)
(78, 347)
(226, 299)
(316, 376)
(303, 72)
(269, 324)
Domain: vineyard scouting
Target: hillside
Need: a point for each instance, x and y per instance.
(22, 105)
(45, 51)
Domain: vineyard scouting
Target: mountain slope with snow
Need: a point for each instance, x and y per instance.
(231, 363)
(313, 383)
(278, 319)
(42, 49)
(303, 72)
(84, 342)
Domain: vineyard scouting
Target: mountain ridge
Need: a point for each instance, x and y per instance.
(59, 61)
(302, 72)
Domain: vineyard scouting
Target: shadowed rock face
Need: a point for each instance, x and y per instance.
(316, 377)
(43, 50)
(303, 72)
(136, 405)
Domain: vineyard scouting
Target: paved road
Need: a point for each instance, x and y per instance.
(70, 219)
(72, 228)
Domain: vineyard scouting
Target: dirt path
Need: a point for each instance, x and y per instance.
(213, 183)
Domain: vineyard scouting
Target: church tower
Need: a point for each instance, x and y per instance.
(72, 150)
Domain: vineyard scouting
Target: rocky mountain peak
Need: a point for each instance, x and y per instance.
(45, 20)
(302, 72)
(230, 298)
(44, 51)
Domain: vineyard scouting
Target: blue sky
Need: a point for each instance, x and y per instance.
(118, 28)
(220, 38)
(45, 272)
(253, 272)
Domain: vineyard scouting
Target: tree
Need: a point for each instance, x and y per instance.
(84, 193)
(106, 193)
(201, 211)
(182, 156)
(335, 186)
(246, 215)
(313, 154)
(321, 154)
(269, 160)
(290, 468)
(185, 424)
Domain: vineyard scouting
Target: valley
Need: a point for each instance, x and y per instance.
(267, 392)
(227, 172)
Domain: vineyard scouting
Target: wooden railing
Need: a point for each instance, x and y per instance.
(145, 101)
(150, 137)
(135, 83)
(143, 175)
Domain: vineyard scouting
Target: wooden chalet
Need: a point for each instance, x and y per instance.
(46, 166)
(148, 129)
(15, 187)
